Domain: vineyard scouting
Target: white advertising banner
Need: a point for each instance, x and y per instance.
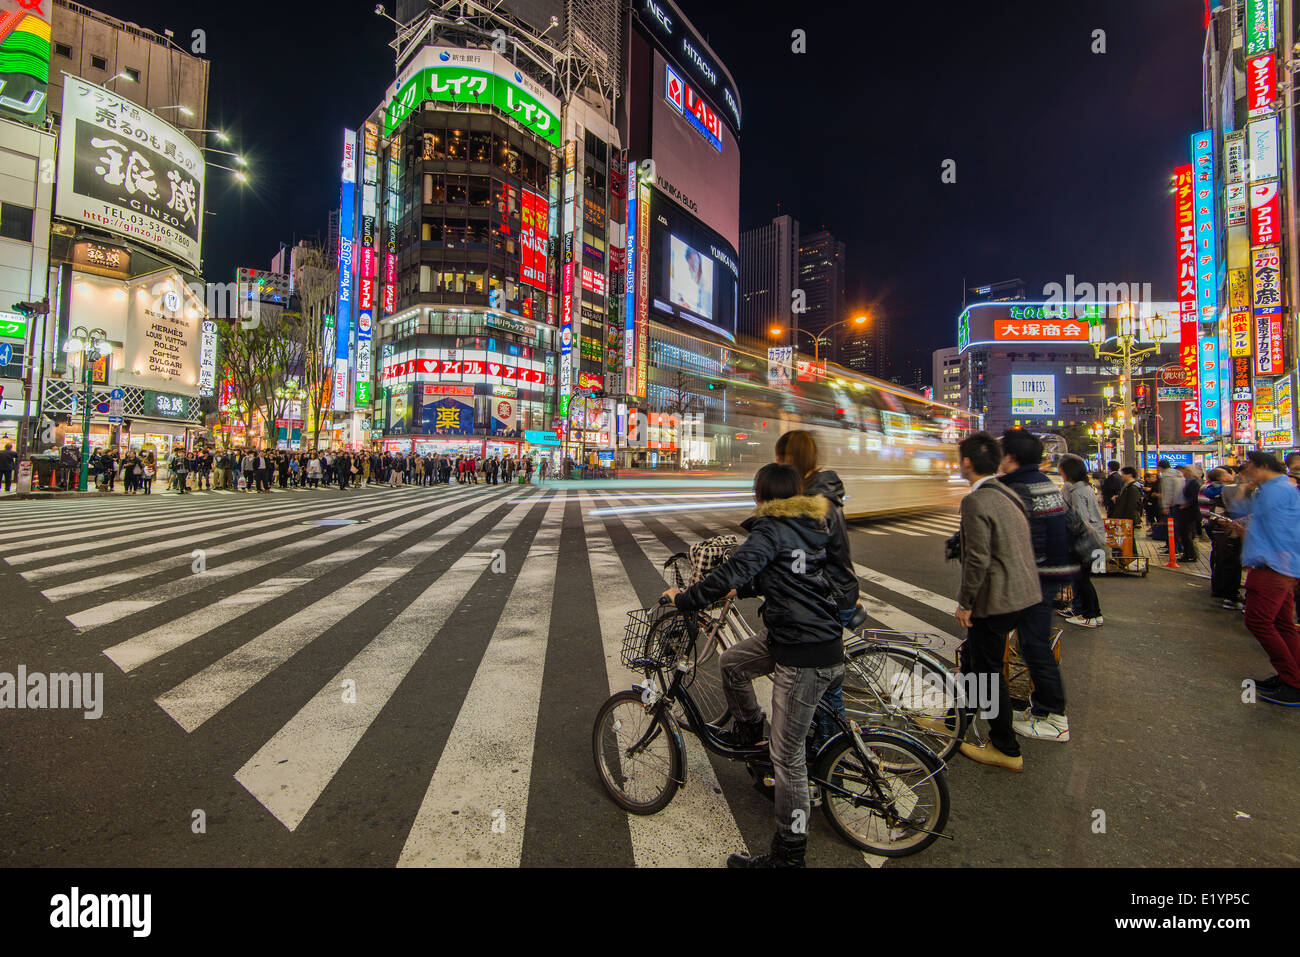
(1033, 395)
(161, 347)
(1262, 147)
(124, 170)
(779, 362)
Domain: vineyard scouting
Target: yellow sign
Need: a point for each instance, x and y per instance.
(1239, 335)
(1238, 291)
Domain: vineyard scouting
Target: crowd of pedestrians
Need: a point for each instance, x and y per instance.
(263, 470)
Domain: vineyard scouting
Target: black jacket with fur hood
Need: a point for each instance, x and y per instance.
(783, 560)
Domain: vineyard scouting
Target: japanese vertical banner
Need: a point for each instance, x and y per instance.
(1185, 242)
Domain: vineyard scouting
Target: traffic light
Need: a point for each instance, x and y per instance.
(1141, 392)
(29, 309)
(713, 386)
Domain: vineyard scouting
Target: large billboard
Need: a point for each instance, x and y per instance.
(693, 277)
(697, 159)
(24, 59)
(1033, 395)
(123, 170)
(455, 75)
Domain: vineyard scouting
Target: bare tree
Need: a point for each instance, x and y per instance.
(680, 401)
(316, 284)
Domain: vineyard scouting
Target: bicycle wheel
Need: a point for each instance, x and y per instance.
(902, 689)
(640, 783)
(908, 778)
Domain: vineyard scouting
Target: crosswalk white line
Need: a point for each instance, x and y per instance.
(149, 528)
(289, 772)
(895, 619)
(485, 769)
(141, 649)
(200, 697)
(178, 587)
(915, 592)
(690, 831)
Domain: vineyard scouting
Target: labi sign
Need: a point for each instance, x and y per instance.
(454, 82)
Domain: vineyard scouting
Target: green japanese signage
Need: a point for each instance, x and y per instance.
(363, 393)
(464, 84)
(1259, 26)
(963, 331)
(13, 326)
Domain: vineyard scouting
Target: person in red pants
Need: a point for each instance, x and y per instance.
(1271, 550)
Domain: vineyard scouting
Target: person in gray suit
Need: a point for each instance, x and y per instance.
(999, 582)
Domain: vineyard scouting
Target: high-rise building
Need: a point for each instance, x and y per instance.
(945, 377)
(561, 269)
(863, 348)
(769, 274)
(821, 277)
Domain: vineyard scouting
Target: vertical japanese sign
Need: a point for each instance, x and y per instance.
(1207, 272)
(1266, 264)
(566, 277)
(367, 278)
(392, 193)
(1261, 148)
(1207, 283)
(643, 285)
(1243, 429)
(1185, 243)
(1259, 26)
(1261, 84)
(629, 314)
(1265, 213)
(343, 319)
(208, 358)
(24, 59)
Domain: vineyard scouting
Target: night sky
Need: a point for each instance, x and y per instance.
(1063, 156)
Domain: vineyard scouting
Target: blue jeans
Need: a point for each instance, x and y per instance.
(795, 693)
(824, 726)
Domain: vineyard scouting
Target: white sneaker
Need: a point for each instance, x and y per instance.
(1085, 622)
(1045, 727)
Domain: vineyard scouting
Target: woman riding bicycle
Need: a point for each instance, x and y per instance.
(783, 560)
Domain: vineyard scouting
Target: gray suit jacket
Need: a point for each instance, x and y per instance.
(998, 572)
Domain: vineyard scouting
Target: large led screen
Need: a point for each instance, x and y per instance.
(693, 271)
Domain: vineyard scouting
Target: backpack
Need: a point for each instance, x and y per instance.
(709, 554)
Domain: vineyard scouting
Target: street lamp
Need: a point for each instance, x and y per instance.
(117, 76)
(239, 160)
(90, 345)
(184, 110)
(776, 331)
(1127, 330)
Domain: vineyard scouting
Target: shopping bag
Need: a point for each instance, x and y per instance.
(243, 483)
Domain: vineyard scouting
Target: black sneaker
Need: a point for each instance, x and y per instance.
(742, 734)
(1267, 684)
(1283, 694)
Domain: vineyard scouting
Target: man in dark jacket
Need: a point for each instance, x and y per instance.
(1128, 504)
(784, 560)
(1111, 486)
(1057, 565)
(8, 464)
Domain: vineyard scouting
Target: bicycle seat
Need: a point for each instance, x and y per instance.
(859, 618)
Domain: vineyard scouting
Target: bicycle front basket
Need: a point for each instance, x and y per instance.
(654, 638)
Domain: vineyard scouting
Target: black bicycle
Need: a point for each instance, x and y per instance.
(882, 790)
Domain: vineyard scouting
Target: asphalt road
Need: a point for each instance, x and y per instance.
(413, 683)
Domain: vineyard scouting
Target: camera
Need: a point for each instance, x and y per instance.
(952, 546)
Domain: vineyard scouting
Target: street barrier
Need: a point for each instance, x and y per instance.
(1173, 550)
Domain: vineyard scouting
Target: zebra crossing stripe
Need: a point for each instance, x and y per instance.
(497, 719)
(896, 620)
(142, 649)
(178, 587)
(915, 592)
(146, 528)
(290, 771)
(689, 831)
(202, 696)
